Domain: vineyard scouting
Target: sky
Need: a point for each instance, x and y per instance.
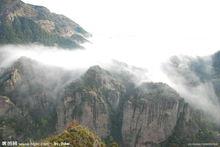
(142, 33)
(189, 26)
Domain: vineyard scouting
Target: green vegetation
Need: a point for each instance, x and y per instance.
(24, 31)
(77, 136)
(39, 128)
(44, 123)
(199, 130)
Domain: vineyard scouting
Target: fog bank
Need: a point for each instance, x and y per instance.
(129, 53)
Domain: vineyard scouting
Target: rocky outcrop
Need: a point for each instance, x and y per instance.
(145, 115)
(8, 111)
(150, 116)
(6, 106)
(25, 83)
(91, 101)
(137, 116)
(193, 127)
(10, 80)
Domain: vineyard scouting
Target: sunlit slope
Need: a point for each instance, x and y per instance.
(23, 23)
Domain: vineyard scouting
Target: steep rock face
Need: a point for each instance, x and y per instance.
(192, 127)
(6, 106)
(25, 83)
(133, 116)
(8, 112)
(150, 115)
(91, 101)
(22, 23)
(86, 108)
(11, 79)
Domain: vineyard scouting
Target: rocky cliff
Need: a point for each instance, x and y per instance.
(150, 115)
(47, 99)
(32, 90)
(145, 115)
(92, 100)
(8, 112)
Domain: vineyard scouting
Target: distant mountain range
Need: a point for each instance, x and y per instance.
(22, 23)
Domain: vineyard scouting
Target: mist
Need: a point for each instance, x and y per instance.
(192, 78)
(130, 53)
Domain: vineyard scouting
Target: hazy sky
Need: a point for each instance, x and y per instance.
(138, 31)
(190, 25)
(143, 32)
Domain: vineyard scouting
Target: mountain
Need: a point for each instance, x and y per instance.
(22, 23)
(198, 81)
(198, 76)
(47, 99)
(22, 84)
(100, 107)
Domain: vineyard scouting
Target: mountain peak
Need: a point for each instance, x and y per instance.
(96, 69)
(23, 23)
(96, 73)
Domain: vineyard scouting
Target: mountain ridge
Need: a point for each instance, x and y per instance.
(22, 23)
(116, 110)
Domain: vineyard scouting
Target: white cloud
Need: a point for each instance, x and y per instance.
(167, 27)
(143, 33)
